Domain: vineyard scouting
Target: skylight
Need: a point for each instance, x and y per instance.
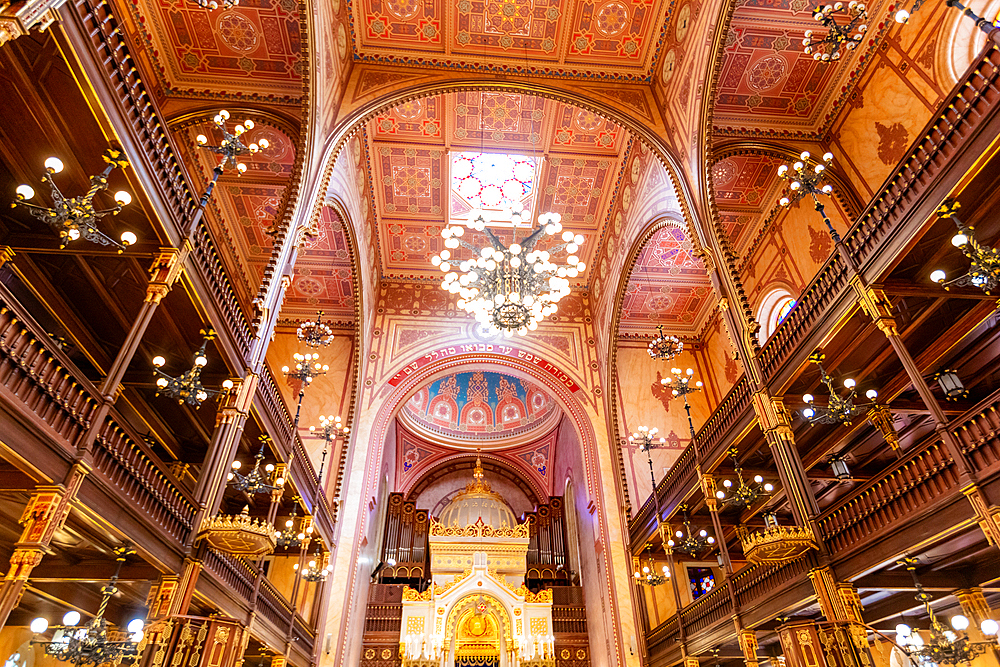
(492, 180)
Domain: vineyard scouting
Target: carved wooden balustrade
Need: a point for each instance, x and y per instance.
(48, 389)
(903, 497)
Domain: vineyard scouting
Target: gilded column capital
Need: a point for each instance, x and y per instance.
(748, 642)
(772, 414)
(709, 488)
(876, 305)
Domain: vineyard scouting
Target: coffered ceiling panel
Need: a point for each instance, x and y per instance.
(615, 39)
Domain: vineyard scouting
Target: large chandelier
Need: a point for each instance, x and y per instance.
(509, 288)
(744, 494)
(690, 540)
(187, 387)
(665, 348)
(945, 646)
(89, 643)
(848, 35)
(984, 262)
(76, 217)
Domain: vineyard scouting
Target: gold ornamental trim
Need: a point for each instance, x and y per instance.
(239, 535)
(777, 545)
(479, 529)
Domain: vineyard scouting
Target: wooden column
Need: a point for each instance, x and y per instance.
(162, 274)
(44, 514)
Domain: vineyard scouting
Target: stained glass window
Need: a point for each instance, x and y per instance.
(781, 312)
(702, 581)
(492, 180)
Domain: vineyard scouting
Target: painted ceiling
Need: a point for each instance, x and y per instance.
(768, 85)
(480, 406)
(568, 159)
(614, 39)
(747, 189)
(668, 286)
(250, 51)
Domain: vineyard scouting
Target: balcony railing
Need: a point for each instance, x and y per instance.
(967, 120)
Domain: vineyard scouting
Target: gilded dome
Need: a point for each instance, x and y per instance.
(478, 501)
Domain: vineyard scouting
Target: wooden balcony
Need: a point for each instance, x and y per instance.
(914, 500)
(948, 145)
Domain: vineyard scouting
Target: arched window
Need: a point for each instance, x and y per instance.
(773, 311)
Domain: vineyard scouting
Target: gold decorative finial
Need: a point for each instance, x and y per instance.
(478, 485)
(477, 474)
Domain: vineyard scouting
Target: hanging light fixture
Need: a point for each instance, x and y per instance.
(838, 36)
(903, 16)
(231, 146)
(315, 333)
(744, 494)
(214, 4)
(840, 410)
(257, 481)
(945, 646)
(187, 388)
(76, 217)
(984, 262)
(647, 574)
(509, 288)
(88, 643)
(951, 384)
(665, 348)
(838, 464)
(315, 570)
(289, 538)
(307, 368)
(690, 540)
(804, 179)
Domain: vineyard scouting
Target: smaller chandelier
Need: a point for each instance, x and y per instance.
(231, 146)
(690, 540)
(645, 436)
(315, 570)
(647, 574)
(306, 368)
(744, 494)
(257, 481)
(76, 217)
(289, 538)
(89, 643)
(840, 410)
(665, 348)
(187, 388)
(804, 180)
(848, 35)
(945, 646)
(509, 288)
(681, 385)
(984, 262)
(315, 334)
(213, 4)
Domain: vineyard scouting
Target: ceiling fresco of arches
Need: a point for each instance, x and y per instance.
(480, 406)
(747, 188)
(614, 39)
(668, 286)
